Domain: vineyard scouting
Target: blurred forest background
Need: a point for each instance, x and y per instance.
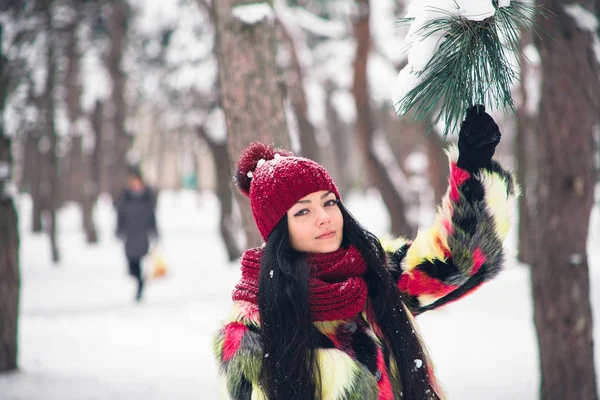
(178, 88)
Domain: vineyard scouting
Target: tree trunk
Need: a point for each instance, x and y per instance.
(250, 87)
(9, 262)
(560, 277)
(33, 167)
(378, 174)
(93, 170)
(9, 239)
(82, 186)
(163, 153)
(224, 193)
(526, 151)
(87, 208)
(438, 168)
(340, 144)
(50, 181)
(74, 174)
(117, 21)
(297, 94)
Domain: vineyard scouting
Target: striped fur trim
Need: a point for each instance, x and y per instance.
(245, 312)
(463, 248)
(238, 350)
(344, 378)
(239, 354)
(502, 193)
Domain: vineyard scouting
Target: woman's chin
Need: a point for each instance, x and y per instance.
(326, 247)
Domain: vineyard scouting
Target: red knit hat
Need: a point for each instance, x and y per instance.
(274, 180)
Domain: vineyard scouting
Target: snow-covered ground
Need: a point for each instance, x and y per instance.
(82, 337)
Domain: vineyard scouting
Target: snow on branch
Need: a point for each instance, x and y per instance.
(252, 14)
(343, 102)
(11, 191)
(8, 189)
(4, 170)
(460, 52)
(586, 21)
(215, 126)
(317, 25)
(297, 39)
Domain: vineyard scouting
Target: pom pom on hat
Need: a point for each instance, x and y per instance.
(275, 180)
(253, 157)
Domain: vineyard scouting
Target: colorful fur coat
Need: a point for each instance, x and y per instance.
(462, 250)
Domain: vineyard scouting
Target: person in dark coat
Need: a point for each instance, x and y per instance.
(136, 224)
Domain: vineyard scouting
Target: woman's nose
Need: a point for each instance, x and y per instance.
(323, 217)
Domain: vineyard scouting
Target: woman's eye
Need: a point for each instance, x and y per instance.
(300, 213)
(330, 203)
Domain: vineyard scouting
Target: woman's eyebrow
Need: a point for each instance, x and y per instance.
(308, 201)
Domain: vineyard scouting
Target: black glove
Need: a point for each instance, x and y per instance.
(477, 139)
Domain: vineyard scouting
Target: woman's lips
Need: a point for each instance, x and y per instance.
(327, 235)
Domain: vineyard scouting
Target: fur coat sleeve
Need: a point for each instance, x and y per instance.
(238, 351)
(463, 248)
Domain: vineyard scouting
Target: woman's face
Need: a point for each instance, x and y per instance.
(315, 223)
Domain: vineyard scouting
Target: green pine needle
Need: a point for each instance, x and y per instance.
(472, 65)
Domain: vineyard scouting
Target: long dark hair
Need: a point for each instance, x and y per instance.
(287, 331)
(288, 335)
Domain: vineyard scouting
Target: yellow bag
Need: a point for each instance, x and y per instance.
(158, 264)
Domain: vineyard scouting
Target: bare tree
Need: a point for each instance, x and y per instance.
(378, 170)
(438, 168)
(250, 86)
(93, 173)
(297, 95)
(117, 19)
(342, 140)
(9, 237)
(224, 193)
(568, 113)
(33, 168)
(526, 151)
(49, 184)
(71, 81)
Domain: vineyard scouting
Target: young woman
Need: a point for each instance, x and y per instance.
(324, 310)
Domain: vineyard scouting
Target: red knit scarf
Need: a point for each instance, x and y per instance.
(336, 288)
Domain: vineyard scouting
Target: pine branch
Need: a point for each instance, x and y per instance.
(472, 65)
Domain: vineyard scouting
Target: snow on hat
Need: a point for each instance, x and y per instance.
(274, 180)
